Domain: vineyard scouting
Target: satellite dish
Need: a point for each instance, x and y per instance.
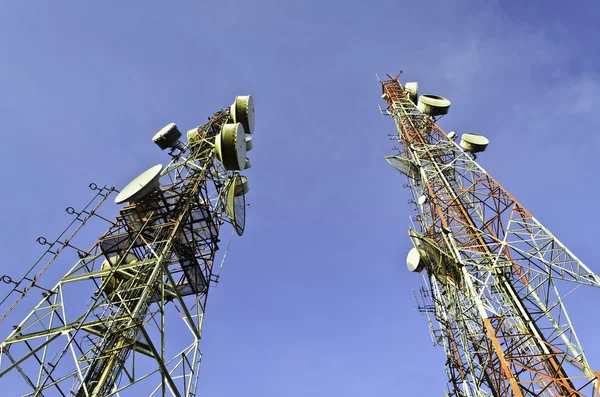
(249, 145)
(242, 111)
(442, 264)
(404, 166)
(433, 105)
(236, 202)
(432, 257)
(167, 137)
(114, 281)
(243, 187)
(193, 135)
(415, 237)
(473, 143)
(416, 260)
(218, 146)
(233, 146)
(413, 91)
(422, 199)
(452, 135)
(147, 182)
(247, 164)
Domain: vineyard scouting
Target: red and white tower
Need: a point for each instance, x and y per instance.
(494, 280)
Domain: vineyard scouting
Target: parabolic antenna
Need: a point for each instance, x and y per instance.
(218, 146)
(167, 137)
(441, 262)
(404, 166)
(242, 186)
(433, 105)
(233, 146)
(431, 256)
(473, 143)
(415, 237)
(142, 186)
(114, 281)
(193, 136)
(242, 111)
(236, 202)
(248, 143)
(413, 91)
(416, 260)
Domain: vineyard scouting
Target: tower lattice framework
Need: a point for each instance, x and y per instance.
(127, 318)
(494, 280)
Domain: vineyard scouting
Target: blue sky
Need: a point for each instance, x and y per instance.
(315, 299)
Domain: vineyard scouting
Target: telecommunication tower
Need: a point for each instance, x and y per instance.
(127, 318)
(494, 280)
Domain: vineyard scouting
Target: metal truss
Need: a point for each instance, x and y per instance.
(496, 287)
(162, 251)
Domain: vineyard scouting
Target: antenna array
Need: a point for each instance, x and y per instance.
(128, 315)
(494, 280)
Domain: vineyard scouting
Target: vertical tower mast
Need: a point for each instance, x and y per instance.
(105, 328)
(494, 279)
